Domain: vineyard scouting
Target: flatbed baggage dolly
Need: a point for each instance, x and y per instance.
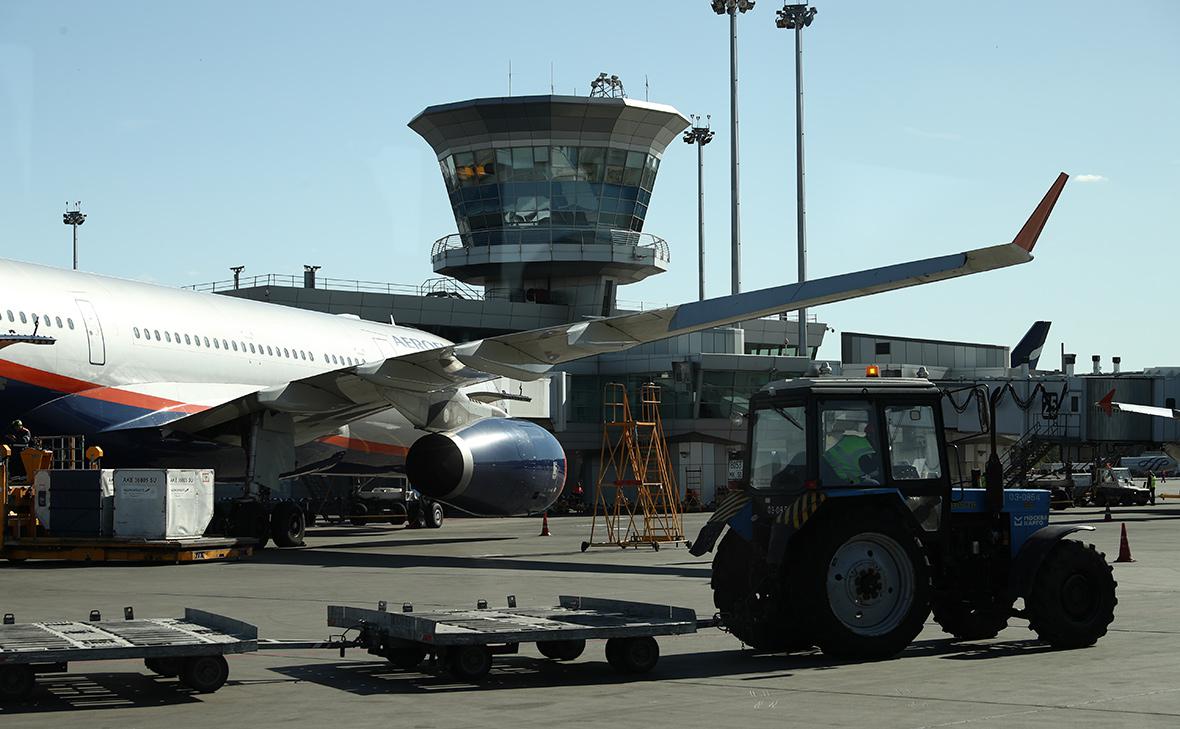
(464, 641)
(192, 648)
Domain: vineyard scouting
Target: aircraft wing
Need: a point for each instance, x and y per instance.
(1109, 406)
(351, 393)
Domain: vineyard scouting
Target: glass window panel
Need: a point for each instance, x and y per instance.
(913, 443)
(465, 169)
(849, 445)
(485, 166)
(778, 458)
(522, 163)
(590, 163)
(504, 164)
(564, 163)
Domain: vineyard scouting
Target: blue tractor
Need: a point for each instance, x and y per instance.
(848, 531)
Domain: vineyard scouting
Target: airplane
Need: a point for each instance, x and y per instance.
(1171, 451)
(166, 377)
(1028, 349)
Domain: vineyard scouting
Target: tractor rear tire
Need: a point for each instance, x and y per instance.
(967, 622)
(754, 618)
(1072, 600)
(867, 585)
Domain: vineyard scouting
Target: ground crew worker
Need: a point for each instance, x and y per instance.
(1151, 485)
(855, 458)
(18, 435)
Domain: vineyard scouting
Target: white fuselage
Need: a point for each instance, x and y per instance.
(133, 351)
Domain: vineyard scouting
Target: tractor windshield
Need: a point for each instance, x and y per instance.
(779, 449)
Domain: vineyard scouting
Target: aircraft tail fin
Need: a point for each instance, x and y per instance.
(1107, 403)
(1028, 350)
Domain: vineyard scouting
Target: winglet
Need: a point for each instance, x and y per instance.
(1106, 403)
(1027, 237)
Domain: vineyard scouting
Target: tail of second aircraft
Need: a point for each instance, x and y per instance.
(1028, 350)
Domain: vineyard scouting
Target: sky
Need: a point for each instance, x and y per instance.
(200, 136)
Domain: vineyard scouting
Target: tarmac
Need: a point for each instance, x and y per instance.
(702, 680)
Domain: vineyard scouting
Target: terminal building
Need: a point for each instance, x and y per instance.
(550, 195)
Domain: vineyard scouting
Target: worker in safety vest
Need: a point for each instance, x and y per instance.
(855, 459)
(1151, 485)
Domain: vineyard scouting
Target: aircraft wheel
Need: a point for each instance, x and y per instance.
(287, 524)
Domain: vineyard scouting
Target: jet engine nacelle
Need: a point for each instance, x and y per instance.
(496, 466)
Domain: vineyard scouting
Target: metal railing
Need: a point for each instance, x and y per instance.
(575, 236)
(431, 287)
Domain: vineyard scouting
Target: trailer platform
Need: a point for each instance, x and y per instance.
(464, 641)
(75, 549)
(192, 648)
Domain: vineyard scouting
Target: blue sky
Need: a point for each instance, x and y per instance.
(273, 134)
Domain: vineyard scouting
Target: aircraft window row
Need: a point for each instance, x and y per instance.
(197, 340)
(44, 320)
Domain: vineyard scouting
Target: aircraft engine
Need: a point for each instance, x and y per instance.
(495, 467)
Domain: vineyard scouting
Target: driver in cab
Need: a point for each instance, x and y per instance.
(855, 458)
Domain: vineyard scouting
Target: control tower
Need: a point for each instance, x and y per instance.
(550, 194)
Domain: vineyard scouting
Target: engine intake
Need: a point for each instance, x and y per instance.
(494, 467)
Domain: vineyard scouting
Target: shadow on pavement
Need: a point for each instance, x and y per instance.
(88, 691)
(366, 678)
(319, 557)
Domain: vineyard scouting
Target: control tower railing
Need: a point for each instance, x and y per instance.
(576, 236)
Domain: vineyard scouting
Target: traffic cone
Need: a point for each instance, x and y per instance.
(1124, 548)
(1107, 516)
(545, 524)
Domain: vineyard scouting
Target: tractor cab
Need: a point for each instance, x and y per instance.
(848, 436)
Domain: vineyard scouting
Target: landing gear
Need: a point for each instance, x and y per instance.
(287, 524)
(1073, 598)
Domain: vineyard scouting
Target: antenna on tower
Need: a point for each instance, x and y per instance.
(646, 89)
(510, 77)
(551, 89)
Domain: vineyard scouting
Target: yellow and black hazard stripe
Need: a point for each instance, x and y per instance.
(730, 504)
(804, 507)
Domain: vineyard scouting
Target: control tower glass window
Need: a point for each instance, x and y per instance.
(549, 194)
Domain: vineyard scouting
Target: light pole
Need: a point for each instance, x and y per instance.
(700, 136)
(797, 17)
(732, 8)
(74, 218)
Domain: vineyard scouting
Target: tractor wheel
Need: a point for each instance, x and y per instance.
(1073, 597)
(753, 617)
(287, 524)
(867, 584)
(968, 622)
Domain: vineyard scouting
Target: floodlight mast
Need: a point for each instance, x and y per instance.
(700, 136)
(74, 218)
(732, 8)
(796, 17)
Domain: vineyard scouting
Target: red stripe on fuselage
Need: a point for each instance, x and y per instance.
(365, 446)
(70, 386)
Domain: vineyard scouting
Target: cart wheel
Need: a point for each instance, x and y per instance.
(585, 546)
(204, 674)
(167, 667)
(561, 650)
(633, 655)
(287, 525)
(470, 662)
(655, 546)
(406, 657)
(16, 683)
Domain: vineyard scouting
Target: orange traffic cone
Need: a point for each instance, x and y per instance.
(545, 524)
(1124, 548)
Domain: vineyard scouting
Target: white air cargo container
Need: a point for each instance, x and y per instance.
(158, 503)
(75, 502)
